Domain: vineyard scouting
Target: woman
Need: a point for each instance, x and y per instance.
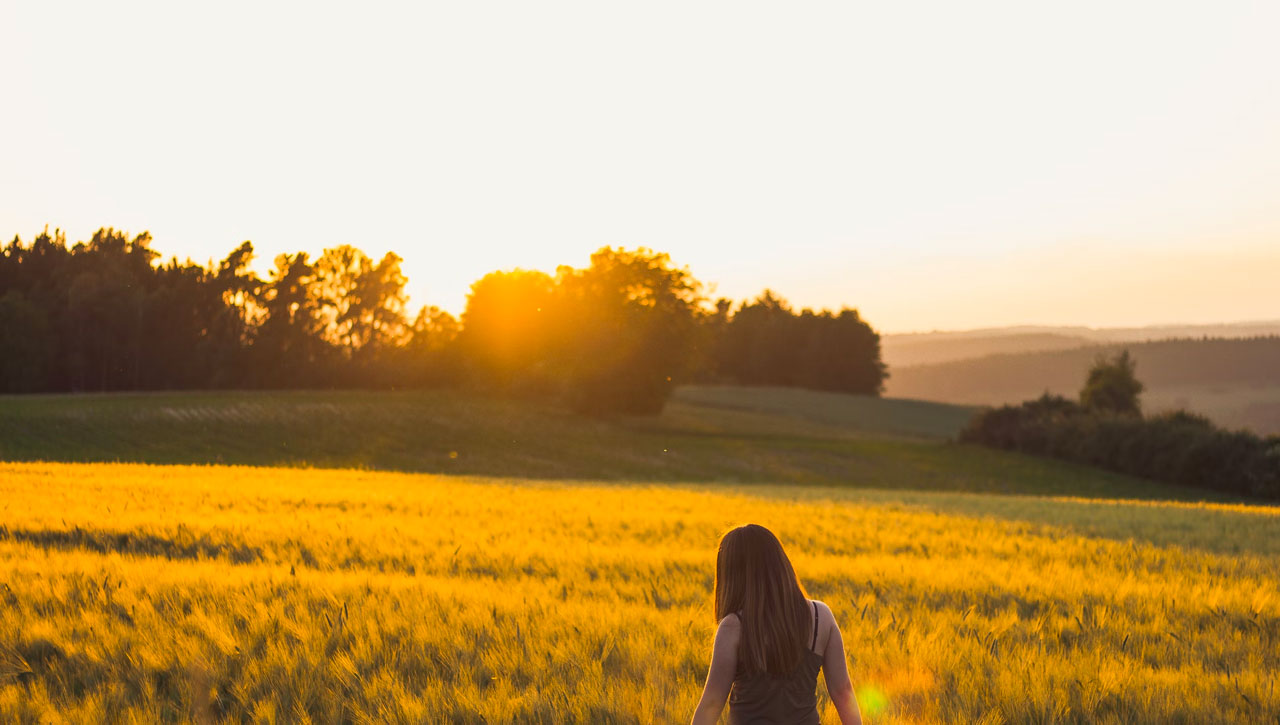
(771, 642)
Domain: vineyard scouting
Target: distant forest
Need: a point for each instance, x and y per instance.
(1165, 363)
(930, 348)
(615, 336)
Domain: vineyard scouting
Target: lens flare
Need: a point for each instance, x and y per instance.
(872, 700)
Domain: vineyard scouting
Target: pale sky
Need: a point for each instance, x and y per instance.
(937, 165)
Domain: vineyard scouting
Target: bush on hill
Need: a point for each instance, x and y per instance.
(1177, 447)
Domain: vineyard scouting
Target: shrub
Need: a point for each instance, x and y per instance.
(1112, 387)
(1178, 447)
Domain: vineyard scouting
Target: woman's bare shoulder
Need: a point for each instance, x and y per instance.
(825, 615)
(826, 624)
(729, 633)
(730, 621)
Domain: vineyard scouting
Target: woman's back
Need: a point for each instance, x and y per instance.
(767, 652)
(758, 698)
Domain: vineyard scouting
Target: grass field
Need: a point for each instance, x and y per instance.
(142, 593)
(559, 570)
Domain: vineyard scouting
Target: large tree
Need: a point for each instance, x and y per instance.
(289, 347)
(506, 335)
(626, 330)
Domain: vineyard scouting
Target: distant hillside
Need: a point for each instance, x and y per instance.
(900, 351)
(937, 347)
(1236, 382)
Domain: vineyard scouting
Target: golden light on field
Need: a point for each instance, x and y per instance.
(288, 595)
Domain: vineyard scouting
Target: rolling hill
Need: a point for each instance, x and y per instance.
(1235, 382)
(925, 348)
(707, 434)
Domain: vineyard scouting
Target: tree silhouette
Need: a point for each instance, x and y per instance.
(1112, 386)
(612, 337)
(25, 339)
(766, 343)
(506, 329)
(627, 330)
(289, 346)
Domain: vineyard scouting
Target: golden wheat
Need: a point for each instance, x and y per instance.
(208, 594)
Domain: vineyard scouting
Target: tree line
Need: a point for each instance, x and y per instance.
(614, 336)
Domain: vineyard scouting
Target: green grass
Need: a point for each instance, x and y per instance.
(707, 434)
(855, 413)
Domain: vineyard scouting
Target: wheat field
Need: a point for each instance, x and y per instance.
(137, 593)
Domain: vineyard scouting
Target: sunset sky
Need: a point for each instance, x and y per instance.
(939, 166)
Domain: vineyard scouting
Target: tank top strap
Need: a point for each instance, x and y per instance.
(814, 643)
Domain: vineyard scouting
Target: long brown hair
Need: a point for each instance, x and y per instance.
(755, 581)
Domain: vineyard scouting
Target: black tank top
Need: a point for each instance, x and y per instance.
(760, 699)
